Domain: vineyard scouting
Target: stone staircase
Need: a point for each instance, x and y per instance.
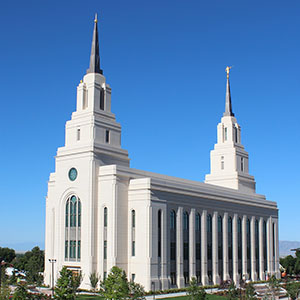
(262, 290)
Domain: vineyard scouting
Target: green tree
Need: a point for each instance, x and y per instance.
(76, 281)
(250, 292)
(288, 263)
(292, 290)
(32, 263)
(21, 293)
(194, 291)
(136, 291)
(4, 292)
(115, 286)
(94, 279)
(64, 289)
(232, 292)
(7, 255)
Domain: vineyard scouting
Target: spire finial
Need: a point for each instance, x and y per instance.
(228, 107)
(227, 71)
(95, 57)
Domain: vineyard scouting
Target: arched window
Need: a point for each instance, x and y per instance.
(72, 226)
(133, 218)
(105, 216)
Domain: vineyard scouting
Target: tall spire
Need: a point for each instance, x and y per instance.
(228, 107)
(95, 57)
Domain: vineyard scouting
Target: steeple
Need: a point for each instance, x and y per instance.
(228, 107)
(229, 162)
(95, 57)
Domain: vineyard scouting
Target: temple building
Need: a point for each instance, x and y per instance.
(161, 230)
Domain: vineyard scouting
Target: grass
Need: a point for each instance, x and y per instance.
(92, 297)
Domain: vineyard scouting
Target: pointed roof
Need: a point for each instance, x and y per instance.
(95, 57)
(228, 106)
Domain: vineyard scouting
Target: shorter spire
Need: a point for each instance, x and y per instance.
(228, 107)
(95, 57)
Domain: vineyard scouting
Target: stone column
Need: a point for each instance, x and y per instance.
(204, 248)
(261, 249)
(192, 245)
(276, 254)
(225, 247)
(235, 257)
(245, 274)
(270, 246)
(253, 246)
(215, 258)
(179, 248)
(164, 275)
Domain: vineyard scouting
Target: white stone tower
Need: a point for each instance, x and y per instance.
(229, 160)
(92, 140)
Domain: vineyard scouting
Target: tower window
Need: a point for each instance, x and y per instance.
(105, 250)
(222, 162)
(235, 134)
(102, 99)
(225, 134)
(133, 248)
(105, 216)
(78, 134)
(242, 164)
(133, 218)
(107, 136)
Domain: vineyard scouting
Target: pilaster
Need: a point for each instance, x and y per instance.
(205, 279)
(192, 245)
(225, 248)
(236, 276)
(253, 253)
(179, 246)
(245, 274)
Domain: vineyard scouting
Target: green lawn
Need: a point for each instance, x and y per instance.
(209, 297)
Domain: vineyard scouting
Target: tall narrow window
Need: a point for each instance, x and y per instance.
(257, 246)
(220, 245)
(172, 219)
(248, 247)
(102, 99)
(222, 162)
(235, 134)
(159, 234)
(242, 164)
(225, 134)
(78, 134)
(133, 248)
(133, 218)
(185, 221)
(230, 246)
(105, 250)
(209, 245)
(172, 247)
(198, 247)
(240, 246)
(72, 226)
(105, 216)
(107, 136)
(265, 244)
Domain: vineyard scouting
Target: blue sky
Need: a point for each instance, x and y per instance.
(165, 62)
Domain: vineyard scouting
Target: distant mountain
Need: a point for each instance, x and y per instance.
(286, 246)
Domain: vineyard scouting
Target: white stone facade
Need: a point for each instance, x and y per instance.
(161, 230)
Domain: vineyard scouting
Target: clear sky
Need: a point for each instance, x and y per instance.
(165, 61)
